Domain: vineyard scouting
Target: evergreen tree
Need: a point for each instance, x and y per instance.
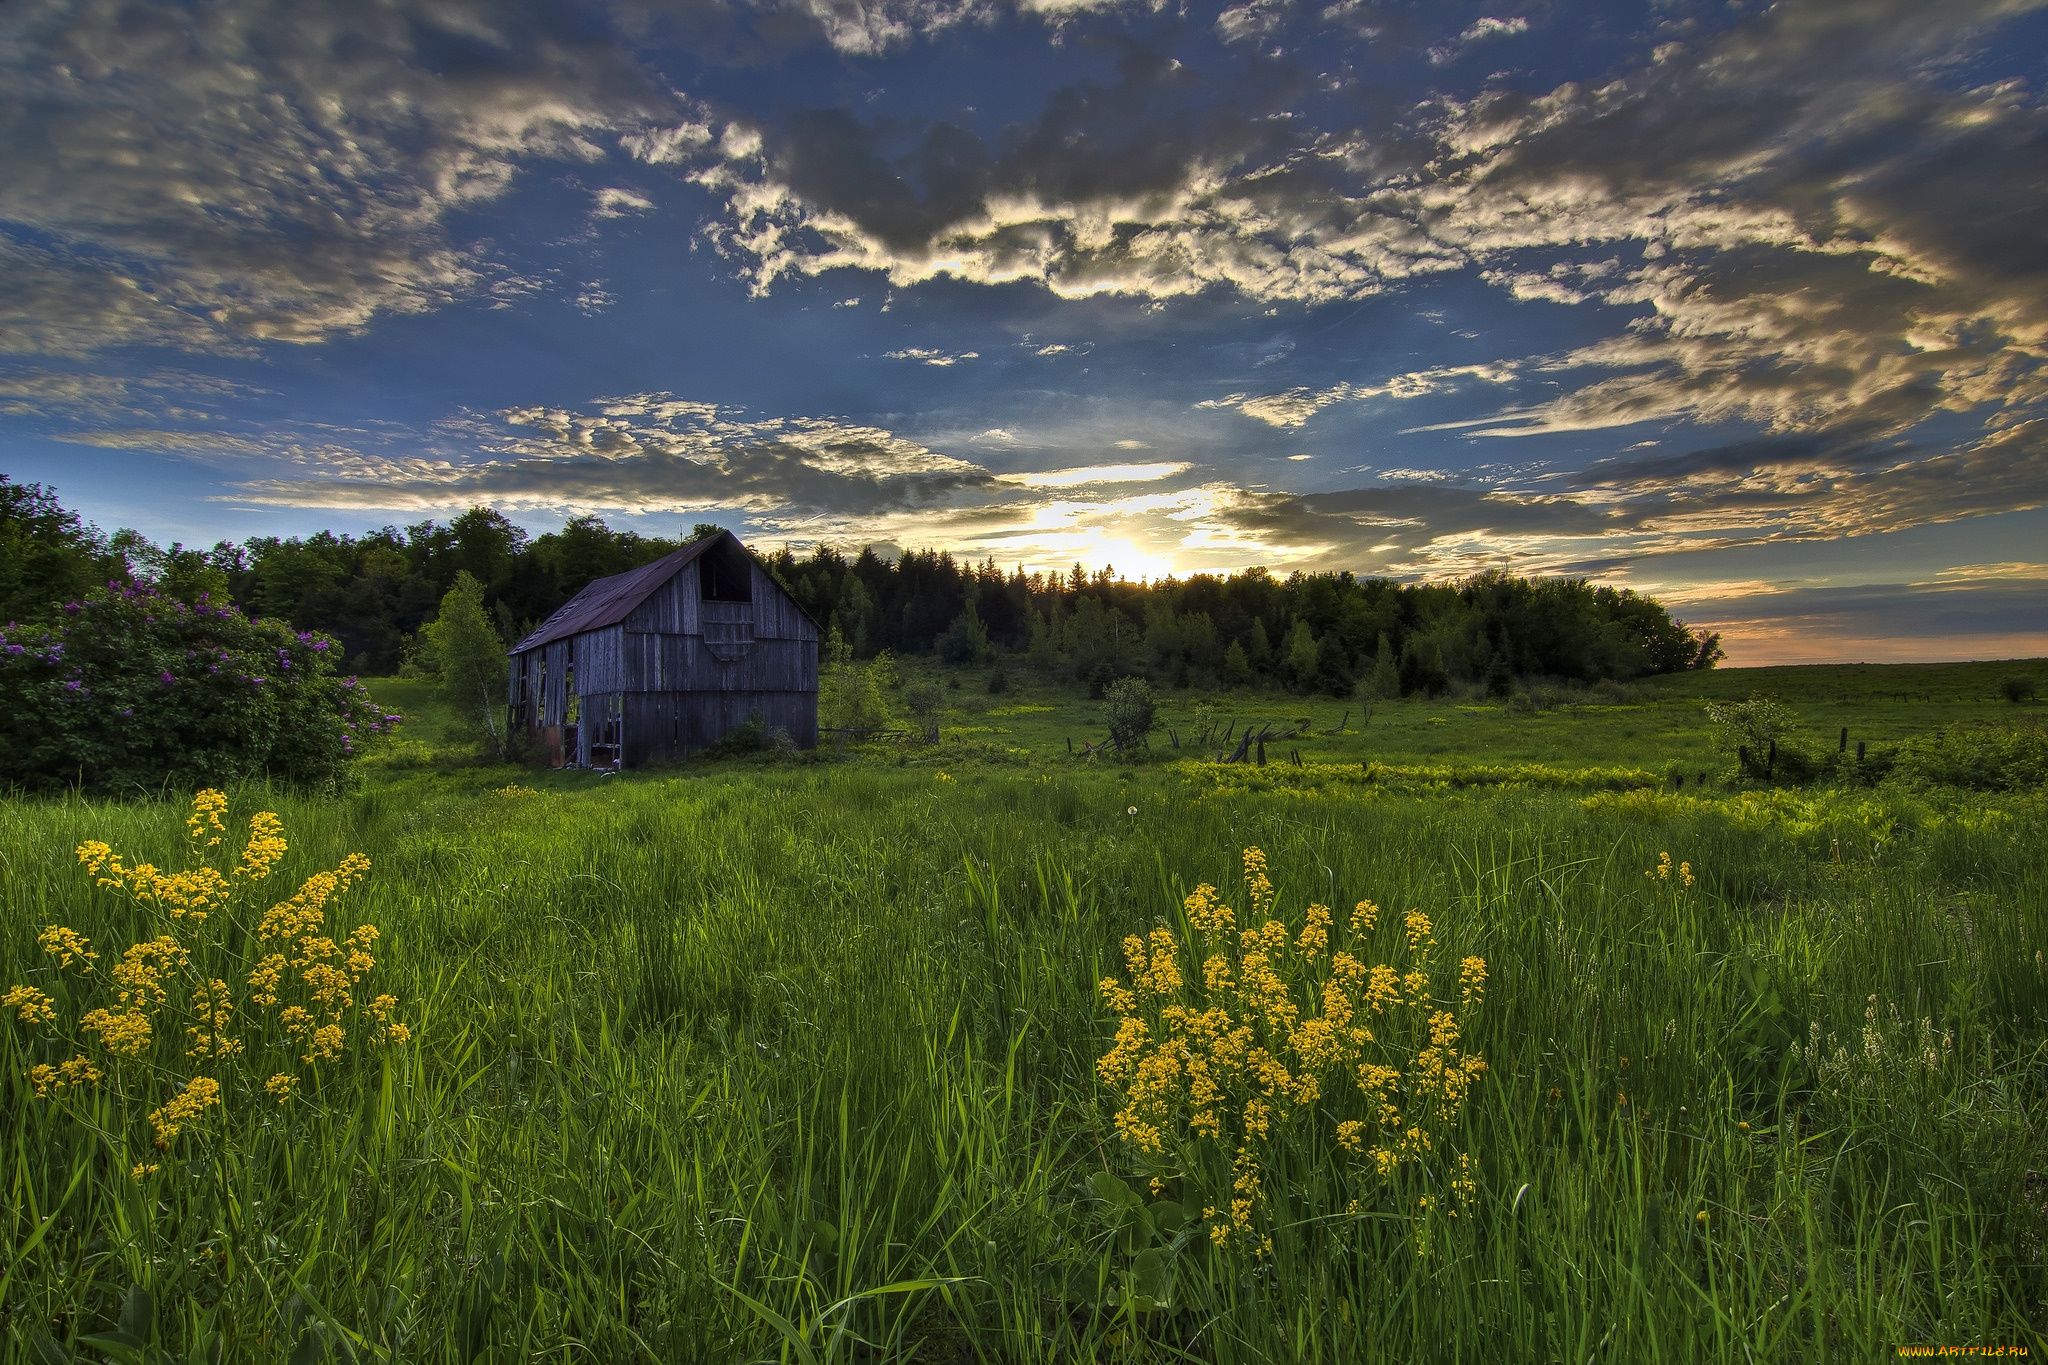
(1385, 679)
(1301, 656)
(1237, 669)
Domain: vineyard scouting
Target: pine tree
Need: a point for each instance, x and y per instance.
(1301, 656)
(1237, 669)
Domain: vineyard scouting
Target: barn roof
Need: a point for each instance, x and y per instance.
(608, 601)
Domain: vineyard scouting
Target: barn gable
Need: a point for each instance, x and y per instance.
(648, 665)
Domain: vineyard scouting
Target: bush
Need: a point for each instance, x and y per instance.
(1131, 710)
(1978, 756)
(2016, 688)
(133, 689)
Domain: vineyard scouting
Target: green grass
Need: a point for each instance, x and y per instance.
(796, 1061)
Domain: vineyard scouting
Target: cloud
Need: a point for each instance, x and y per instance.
(1295, 406)
(633, 453)
(1806, 225)
(932, 357)
(155, 395)
(617, 202)
(214, 177)
(1097, 474)
(1478, 32)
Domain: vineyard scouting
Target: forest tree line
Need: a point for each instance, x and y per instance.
(1322, 632)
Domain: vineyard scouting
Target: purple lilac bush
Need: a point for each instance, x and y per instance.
(135, 690)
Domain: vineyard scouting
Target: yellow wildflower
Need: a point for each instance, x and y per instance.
(31, 1004)
(1420, 933)
(514, 791)
(1315, 933)
(264, 980)
(1364, 918)
(125, 1034)
(1471, 980)
(50, 1080)
(1257, 886)
(142, 968)
(387, 1030)
(325, 1044)
(185, 1109)
(1208, 914)
(265, 847)
(67, 945)
(281, 1087)
(205, 821)
(144, 1169)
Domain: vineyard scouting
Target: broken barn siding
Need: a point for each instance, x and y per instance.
(645, 667)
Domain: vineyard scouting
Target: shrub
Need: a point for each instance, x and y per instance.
(853, 697)
(1979, 756)
(135, 689)
(1131, 711)
(2016, 688)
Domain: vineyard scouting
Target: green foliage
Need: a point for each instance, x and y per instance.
(135, 690)
(1131, 711)
(1978, 757)
(46, 557)
(966, 640)
(2016, 688)
(1755, 724)
(852, 697)
(1237, 666)
(468, 656)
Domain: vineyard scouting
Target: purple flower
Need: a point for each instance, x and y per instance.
(127, 710)
(165, 678)
(72, 686)
(16, 649)
(72, 608)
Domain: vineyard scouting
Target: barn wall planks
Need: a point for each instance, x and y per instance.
(671, 693)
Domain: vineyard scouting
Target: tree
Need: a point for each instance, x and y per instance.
(133, 690)
(853, 696)
(1753, 727)
(469, 656)
(966, 640)
(1333, 669)
(1237, 669)
(1131, 711)
(1300, 660)
(1385, 678)
(924, 700)
(46, 557)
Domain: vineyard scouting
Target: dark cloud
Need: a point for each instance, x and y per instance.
(220, 175)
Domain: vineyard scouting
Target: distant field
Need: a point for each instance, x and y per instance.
(798, 1060)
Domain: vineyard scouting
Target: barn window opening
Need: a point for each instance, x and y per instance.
(726, 574)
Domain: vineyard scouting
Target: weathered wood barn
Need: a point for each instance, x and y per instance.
(646, 666)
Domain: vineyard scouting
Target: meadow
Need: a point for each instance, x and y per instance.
(762, 1059)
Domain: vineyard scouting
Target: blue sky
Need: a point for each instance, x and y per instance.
(1745, 305)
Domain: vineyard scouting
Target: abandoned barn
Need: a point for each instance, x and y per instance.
(649, 665)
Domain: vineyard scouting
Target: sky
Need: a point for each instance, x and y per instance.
(1743, 305)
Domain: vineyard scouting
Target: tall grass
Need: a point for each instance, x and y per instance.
(801, 1067)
